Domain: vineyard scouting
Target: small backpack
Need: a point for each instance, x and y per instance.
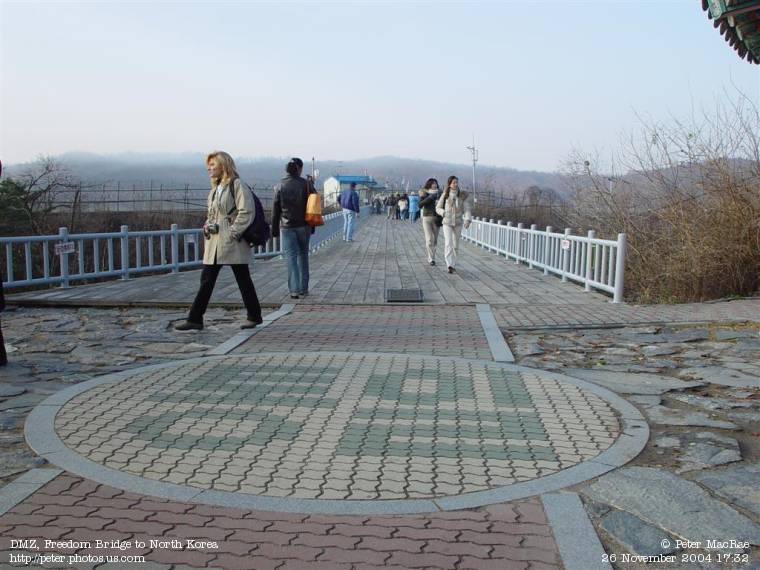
(259, 232)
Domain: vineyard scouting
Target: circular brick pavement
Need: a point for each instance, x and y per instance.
(327, 427)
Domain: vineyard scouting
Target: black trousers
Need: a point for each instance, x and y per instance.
(3, 356)
(208, 280)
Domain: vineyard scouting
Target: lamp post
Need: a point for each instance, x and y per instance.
(474, 152)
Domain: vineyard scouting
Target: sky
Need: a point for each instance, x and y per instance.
(530, 80)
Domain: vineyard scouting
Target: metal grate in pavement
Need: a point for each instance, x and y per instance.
(403, 295)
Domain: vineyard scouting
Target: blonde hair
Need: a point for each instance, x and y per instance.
(229, 172)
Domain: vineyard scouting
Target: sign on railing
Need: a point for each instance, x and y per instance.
(596, 263)
(30, 261)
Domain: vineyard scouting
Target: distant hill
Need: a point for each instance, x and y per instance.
(176, 170)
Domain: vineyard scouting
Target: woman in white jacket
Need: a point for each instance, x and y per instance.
(454, 206)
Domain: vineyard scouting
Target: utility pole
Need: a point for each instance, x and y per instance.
(474, 152)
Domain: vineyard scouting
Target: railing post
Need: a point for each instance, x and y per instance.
(547, 249)
(175, 249)
(490, 233)
(619, 269)
(520, 227)
(565, 258)
(63, 258)
(124, 253)
(589, 257)
(508, 240)
(531, 244)
(499, 236)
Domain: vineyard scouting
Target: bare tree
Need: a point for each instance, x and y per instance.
(42, 184)
(689, 201)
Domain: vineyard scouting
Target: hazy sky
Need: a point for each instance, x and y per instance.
(340, 80)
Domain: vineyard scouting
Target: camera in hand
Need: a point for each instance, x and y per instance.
(213, 228)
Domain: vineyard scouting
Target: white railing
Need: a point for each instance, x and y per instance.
(47, 260)
(595, 263)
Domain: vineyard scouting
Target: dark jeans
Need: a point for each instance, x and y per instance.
(3, 356)
(208, 280)
(295, 250)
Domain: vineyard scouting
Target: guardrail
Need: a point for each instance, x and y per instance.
(121, 254)
(595, 263)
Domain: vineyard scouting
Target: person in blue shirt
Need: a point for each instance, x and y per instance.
(349, 201)
(414, 207)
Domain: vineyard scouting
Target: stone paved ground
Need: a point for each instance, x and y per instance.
(514, 536)
(697, 478)
(53, 349)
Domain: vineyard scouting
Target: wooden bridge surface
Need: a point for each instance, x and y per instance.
(385, 255)
(390, 255)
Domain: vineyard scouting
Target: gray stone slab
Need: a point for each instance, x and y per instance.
(20, 488)
(497, 344)
(6, 391)
(577, 541)
(700, 450)
(635, 535)
(670, 417)
(738, 484)
(631, 383)
(721, 375)
(676, 505)
(710, 403)
(335, 507)
(646, 401)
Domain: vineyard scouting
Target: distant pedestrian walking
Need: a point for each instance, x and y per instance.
(431, 222)
(403, 206)
(289, 222)
(392, 207)
(349, 201)
(3, 355)
(230, 211)
(454, 206)
(414, 207)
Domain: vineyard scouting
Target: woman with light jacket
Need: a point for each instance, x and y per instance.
(230, 212)
(454, 206)
(430, 220)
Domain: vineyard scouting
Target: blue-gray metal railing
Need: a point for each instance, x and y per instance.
(595, 263)
(122, 254)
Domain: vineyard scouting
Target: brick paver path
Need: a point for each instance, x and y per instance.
(70, 510)
(338, 425)
(439, 331)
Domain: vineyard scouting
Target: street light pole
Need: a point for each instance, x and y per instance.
(474, 152)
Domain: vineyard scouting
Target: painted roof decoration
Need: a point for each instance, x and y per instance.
(739, 23)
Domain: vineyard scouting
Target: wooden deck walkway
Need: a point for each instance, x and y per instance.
(385, 255)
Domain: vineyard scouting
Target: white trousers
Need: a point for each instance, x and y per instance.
(451, 243)
(431, 236)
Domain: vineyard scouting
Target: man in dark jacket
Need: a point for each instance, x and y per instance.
(289, 215)
(349, 201)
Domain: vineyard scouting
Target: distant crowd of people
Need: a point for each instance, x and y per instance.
(449, 209)
(232, 207)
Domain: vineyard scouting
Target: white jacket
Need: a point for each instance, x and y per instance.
(456, 209)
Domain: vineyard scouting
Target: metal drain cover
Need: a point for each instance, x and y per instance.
(403, 295)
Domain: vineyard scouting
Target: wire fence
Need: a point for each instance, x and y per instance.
(120, 197)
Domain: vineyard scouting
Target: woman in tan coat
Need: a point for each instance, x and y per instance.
(230, 212)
